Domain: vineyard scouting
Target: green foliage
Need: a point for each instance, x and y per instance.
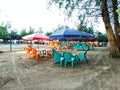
(31, 30)
(118, 10)
(23, 32)
(61, 27)
(13, 34)
(3, 31)
(101, 37)
(85, 29)
(48, 33)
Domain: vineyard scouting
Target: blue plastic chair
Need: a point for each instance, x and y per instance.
(68, 57)
(58, 58)
(82, 56)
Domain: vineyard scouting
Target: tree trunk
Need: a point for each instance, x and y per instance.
(116, 23)
(114, 51)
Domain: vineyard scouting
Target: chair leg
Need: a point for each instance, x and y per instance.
(65, 64)
(76, 62)
(36, 56)
(60, 63)
(72, 64)
(85, 60)
(54, 64)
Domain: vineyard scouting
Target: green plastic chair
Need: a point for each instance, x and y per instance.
(85, 47)
(78, 46)
(82, 56)
(68, 57)
(91, 47)
(63, 43)
(58, 57)
(43, 52)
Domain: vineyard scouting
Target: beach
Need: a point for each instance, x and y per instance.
(20, 73)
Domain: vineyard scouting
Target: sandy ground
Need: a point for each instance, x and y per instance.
(19, 73)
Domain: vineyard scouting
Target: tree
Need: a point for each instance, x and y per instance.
(40, 30)
(96, 8)
(114, 50)
(85, 29)
(48, 33)
(101, 37)
(4, 30)
(116, 22)
(13, 34)
(31, 30)
(23, 32)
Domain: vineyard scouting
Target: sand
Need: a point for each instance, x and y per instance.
(20, 73)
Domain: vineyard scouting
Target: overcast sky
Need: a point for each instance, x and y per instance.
(25, 13)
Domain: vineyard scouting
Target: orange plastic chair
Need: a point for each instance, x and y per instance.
(56, 45)
(27, 52)
(51, 44)
(30, 47)
(34, 53)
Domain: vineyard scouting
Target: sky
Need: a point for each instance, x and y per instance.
(34, 13)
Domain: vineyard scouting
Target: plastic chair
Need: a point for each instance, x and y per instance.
(34, 53)
(85, 47)
(91, 47)
(68, 57)
(30, 47)
(58, 58)
(43, 52)
(51, 44)
(27, 52)
(63, 45)
(82, 56)
(78, 46)
(56, 45)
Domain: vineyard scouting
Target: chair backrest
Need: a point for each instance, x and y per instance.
(27, 50)
(51, 44)
(30, 46)
(67, 56)
(53, 50)
(56, 54)
(34, 51)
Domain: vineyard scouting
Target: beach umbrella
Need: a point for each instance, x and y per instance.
(69, 34)
(36, 36)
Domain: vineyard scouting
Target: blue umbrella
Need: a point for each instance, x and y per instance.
(69, 34)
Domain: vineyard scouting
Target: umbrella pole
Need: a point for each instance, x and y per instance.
(67, 45)
(38, 44)
(31, 42)
(10, 45)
